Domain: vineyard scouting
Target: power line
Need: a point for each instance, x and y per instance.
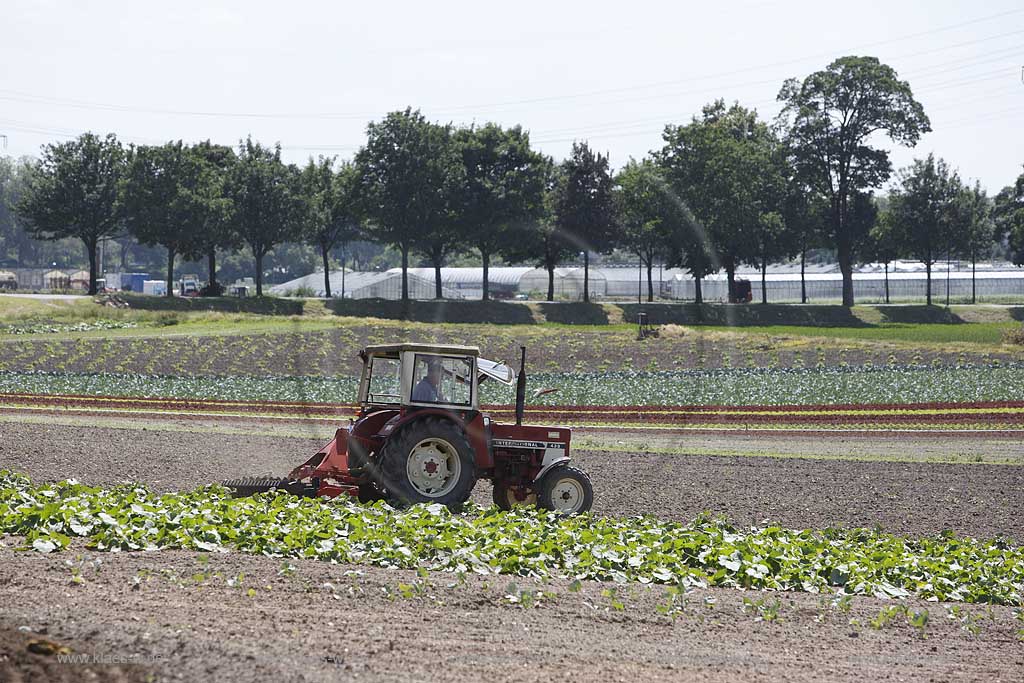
(81, 104)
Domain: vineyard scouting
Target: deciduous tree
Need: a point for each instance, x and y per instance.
(830, 118)
(502, 188)
(330, 217)
(163, 200)
(585, 207)
(267, 201)
(406, 175)
(724, 165)
(72, 191)
(922, 211)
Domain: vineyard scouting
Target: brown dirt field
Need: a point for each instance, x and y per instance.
(329, 622)
(295, 628)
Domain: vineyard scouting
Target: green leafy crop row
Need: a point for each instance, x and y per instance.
(526, 542)
(746, 386)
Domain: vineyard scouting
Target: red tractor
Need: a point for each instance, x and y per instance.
(420, 438)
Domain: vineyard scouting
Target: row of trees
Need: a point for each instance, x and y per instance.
(725, 189)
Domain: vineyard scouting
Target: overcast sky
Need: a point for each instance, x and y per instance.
(311, 74)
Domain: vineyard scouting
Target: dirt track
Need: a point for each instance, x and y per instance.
(295, 628)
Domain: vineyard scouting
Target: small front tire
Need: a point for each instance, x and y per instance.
(565, 490)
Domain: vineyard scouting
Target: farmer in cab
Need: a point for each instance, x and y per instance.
(428, 389)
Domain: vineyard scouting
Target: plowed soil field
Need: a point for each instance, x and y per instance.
(175, 615)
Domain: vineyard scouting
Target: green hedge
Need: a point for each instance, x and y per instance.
(265, 305)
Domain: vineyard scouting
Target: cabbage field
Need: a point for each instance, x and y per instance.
(527, 542)
(743, 386)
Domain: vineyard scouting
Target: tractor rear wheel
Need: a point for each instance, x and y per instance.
(565, 490)
(504, 496)
(428, 461)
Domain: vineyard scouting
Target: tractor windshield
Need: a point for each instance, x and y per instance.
(384, 383)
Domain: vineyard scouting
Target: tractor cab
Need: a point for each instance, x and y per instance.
(426, 376)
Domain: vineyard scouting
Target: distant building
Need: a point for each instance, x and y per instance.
(364, 285)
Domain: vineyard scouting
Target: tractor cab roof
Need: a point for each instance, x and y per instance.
(394, 349)
(485, 368)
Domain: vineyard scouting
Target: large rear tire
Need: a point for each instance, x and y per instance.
(565, 490)
(428, 461)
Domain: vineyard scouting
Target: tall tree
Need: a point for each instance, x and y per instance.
(830, 118)
(72, 191)
(406, 174)
(267, 201)
(725, 166)
(804, 212)
(162, 200)
(652, 216)
(585, 204)
(541, 241)
(331, 218)
(974, 229)
(1008, 212)
(8, 219)
(218, 232)
(503, 188)
(773, 242)
(883, 245)
(922, 209)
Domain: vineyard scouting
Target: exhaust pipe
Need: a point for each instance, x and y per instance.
(521, 387)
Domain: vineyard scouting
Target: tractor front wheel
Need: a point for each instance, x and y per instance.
(428, 461)
(565, 490)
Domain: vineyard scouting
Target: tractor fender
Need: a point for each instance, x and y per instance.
(552, 458)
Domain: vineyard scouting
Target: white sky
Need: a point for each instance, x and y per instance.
(311, 74)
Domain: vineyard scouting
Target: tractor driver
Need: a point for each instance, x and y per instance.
(428, 389)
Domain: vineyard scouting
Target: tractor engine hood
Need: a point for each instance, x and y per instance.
(496, 371)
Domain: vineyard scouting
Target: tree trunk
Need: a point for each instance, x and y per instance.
(90, 246)
(551, 281)
(698, 295)
(586, 276)
(405, 272)
(803, 280)
(342, 273)
(974, 289)
(438, 291)
(886, 282)
(259, 271)
(764, 281)
(928, 281)
(327, 272)
(211, 265)
(730, 282)
(846, 268)
(486, 258)
(947, 279)
(170, 273)
(650, 281)
(126, 245)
